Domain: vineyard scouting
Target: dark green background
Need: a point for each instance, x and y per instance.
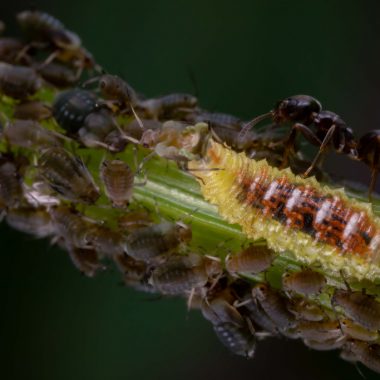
(56, 324)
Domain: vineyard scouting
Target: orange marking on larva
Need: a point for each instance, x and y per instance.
(214, 156)
(315, 222)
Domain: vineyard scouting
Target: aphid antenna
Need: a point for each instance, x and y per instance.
(247, 127)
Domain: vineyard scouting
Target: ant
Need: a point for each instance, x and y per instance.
(303, 110)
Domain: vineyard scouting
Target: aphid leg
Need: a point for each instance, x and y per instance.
(291, 139)
(125, 136)
(322, 149)
(190, 299)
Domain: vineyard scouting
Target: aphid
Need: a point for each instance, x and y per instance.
(220, 309)
(18, 82)
(303, 111)
(11, 190)
(117, 90)
(165, 107)
(58, 74)
(306, 282)
(179, 274)
(118, 179)
(304, 309)
(367, 354)
(71, 108)
(361, 308)
(355, 331)
(318, 224)
(85, 260)
(30, 134)
(30, 220)
(238, 340)
(42, 27)
(72, 226)
(10, 49)
(369, 153)
(148, 243)
(67, 175)
(32, 110)
(325, 345)
(134, 220)
(319, 331)
(252, 260)
(260, 317)
(274, 305)
(100, 130)
(176, 141)
(106, 242)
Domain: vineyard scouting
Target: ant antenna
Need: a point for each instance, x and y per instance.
(246, 128)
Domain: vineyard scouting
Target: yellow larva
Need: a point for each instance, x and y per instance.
(315, 222)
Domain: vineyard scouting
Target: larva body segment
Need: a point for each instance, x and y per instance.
(315, 222)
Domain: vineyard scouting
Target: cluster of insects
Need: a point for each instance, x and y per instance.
(47, 189)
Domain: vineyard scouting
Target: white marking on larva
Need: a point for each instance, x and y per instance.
(323, 212)
(271, 190)
(375, 243)
(352, 224)
(293, 199)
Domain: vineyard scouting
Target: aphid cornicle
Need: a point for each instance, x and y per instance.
(306, 282)
(118, 179)
(361, 308)
(71, 108)
(148, 243)
(252, 260)
(32, 110)
(238, 340)
(67, 175)
(274, 305)
(18, 82)
(317, 223)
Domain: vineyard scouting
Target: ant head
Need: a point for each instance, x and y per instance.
(300, 108)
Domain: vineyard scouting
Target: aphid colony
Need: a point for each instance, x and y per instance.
(48, 190)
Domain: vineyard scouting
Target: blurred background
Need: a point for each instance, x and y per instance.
(245, 55)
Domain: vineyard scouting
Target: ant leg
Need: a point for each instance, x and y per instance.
(325, 143)
(375, 171)
(290, 141)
